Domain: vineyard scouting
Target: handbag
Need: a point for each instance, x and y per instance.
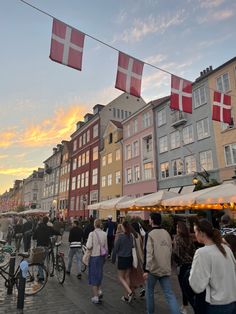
(134, 255)
(86, 256)
(142, 232)
(103, 250)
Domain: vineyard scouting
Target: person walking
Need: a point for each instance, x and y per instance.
(183, 252)
(75, 239)
(18, 233)
(97, 242)
(27, 234)
(123, 249)
(157, 264)
(214, 270)
(110, 229)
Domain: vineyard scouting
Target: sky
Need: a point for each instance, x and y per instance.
(41, 100)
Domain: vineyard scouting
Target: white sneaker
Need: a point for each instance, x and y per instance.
(95, 300)
(100, 294)
(183, 310)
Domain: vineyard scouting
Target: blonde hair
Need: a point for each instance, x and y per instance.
(97, 223)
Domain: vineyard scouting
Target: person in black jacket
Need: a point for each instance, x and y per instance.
(75, 239)
(27, 234)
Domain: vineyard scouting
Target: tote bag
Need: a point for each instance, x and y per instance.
(86, 256)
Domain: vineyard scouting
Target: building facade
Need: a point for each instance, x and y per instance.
(87, 141)
(111, 166)
(139, 174)
(223, 79)
(32, 189)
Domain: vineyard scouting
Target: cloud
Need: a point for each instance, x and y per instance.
(206, 4)
(217, 15)
(45, 132)
(17, 171)
(151, 25)
(156, 59)
(3, 156)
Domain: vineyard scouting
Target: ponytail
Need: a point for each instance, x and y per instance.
(206, 227)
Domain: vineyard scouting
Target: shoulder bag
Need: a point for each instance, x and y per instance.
(103, 250)
(134, 254)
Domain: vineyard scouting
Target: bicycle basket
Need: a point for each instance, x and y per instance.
(37, 255)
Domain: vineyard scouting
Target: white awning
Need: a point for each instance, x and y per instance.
(175, 190)
(109, 204)
(187, 189)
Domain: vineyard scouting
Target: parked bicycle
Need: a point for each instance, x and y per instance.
(32, 284)
(56, 263)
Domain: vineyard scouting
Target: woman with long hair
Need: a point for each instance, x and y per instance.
(123, 249)
(183, 252)
(214, 270)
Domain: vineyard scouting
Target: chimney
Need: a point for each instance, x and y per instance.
(54, 150)
(201, 73)
(210, 67)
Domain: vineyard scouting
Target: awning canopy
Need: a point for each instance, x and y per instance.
(109, 204)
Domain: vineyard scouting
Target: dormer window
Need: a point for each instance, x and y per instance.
(110, 138)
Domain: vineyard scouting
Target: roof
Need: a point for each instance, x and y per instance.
(117, 124)
(159, 101)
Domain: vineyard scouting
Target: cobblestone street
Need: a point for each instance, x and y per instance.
(74, 296)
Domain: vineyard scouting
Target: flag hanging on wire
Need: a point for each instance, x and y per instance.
(221, 110)
(67, 45)
(181, 94)
(129, 74)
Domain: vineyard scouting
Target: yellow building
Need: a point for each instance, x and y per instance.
(111, 166)
(223, 79)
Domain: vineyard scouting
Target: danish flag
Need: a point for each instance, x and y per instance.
(129, 74)
(221, 107)
(67, 45)
(181, 94)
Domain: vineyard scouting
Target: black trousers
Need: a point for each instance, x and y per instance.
(182, 272)
(110, 244)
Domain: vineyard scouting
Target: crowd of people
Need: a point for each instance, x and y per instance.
(204, 260)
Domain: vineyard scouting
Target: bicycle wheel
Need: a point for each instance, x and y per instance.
(60, 269)
(83, 267)
(50, 263)
(4, 259)
(36, 279)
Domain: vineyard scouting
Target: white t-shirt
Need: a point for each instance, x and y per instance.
(212, 271)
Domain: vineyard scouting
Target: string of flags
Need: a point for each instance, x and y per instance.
(67, 44)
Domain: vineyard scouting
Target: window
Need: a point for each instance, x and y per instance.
(95, 176)
(190, 164)
(177, 167)
(88, 136)
(126, 114)
(148, 171)
(161, 117)
(146, 119)
(118, 154)
(78, 181)
(129, 175)
(95, 153)
(73, 183)
(104, 158)
(128, 130)
(135, 125)
(109, 158)
(86, 178)
(87, 157)
(110, 138)
(203, 129)
(128, 152)
(122, 114)
(84, 138)
(163, 144)
(114, 112)
(136, 148)
(95, 131)
(103, 181)
(175, 140)
(136, 173)
(199, 96)
(206, 160)
(165, 170)
(74, 163)
(147, 142)
(117, 177)
(118, 113)
(109, 179)
(222, 83)
(83, 159)
(230, 154)
(188, 134)
(79, 161)
(80, 141)
(82, 180)
(74, 145)
(72, 203)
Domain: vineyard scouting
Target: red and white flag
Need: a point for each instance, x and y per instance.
(181, 94)
(67, 45)
(129, 74)
(221, 110)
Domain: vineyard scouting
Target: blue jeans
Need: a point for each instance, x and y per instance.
(167, 290)
(78, 253)
(220, 309)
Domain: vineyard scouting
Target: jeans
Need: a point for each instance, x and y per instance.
(220, 309)
(167, 290)
(78, 253)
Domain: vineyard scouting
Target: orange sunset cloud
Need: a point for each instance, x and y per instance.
(48, 131)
